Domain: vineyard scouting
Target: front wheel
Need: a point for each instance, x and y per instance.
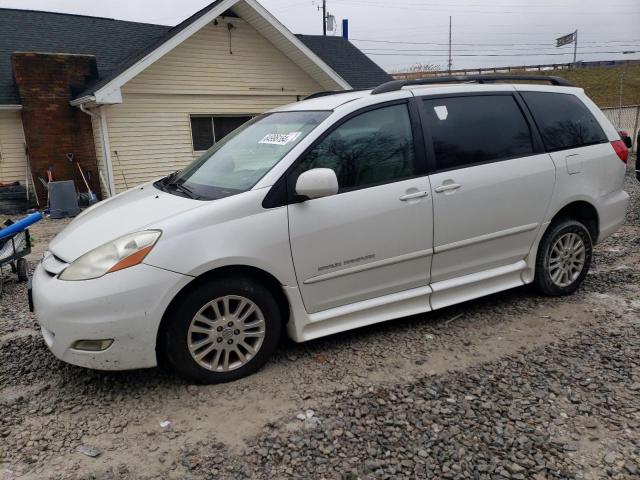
(222, 331)
(564, 258)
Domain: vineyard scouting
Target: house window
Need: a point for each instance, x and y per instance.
(207, 130)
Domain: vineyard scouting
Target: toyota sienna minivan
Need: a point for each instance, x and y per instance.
(339, 211)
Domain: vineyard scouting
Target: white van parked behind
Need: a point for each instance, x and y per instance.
(333, 213)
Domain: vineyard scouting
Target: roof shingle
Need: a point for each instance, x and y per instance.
(117, 44)
(109, 40)
(350, 63)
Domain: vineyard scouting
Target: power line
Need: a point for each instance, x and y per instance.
(476, 49)
(604, 42)
(449, 9)
(487, 55)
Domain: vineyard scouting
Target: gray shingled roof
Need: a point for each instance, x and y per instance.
(109, 40)
(132, 59)
(344, 58)
(118, 44)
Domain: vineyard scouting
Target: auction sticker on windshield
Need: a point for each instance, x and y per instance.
(280, 138)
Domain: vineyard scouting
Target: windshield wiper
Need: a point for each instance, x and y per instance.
(171, 182)
(186, 190)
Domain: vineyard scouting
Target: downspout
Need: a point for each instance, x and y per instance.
(104, 138)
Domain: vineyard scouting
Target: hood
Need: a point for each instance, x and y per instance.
(131, 211)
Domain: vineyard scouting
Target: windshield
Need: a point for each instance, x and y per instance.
(241, 159)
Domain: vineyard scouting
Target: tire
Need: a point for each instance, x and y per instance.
(564, 258)
(21, 270)
(220, 334)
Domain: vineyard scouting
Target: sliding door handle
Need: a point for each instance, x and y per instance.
(449, 187)
(413, 196)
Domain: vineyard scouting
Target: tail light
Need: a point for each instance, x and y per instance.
(621, 150)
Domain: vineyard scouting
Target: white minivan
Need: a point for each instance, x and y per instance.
(340, 211)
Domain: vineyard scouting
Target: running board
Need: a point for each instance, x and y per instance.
(367, 312)
(475, 285)
(410, 302)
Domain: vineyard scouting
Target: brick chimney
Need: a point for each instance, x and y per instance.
(53, 128)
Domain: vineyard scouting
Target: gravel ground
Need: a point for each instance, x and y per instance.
(509, 386)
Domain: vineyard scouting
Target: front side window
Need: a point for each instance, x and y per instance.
(564, 121)
(470, 130)
(207, 130)
(242, 158)
(372, 148)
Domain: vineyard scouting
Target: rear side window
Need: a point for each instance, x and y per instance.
(372, 148)
(563, 120)
(469, 130)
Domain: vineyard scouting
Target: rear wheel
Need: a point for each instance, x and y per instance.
(564, 258)
(222, 331)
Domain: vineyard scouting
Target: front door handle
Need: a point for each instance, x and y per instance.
(413, 196)
(449, 187)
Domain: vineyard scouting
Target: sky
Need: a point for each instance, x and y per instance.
(404, 33)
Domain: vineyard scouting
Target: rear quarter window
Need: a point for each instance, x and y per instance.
(563, 120)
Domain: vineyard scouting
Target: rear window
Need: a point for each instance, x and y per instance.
(476, 129)
(563, 120)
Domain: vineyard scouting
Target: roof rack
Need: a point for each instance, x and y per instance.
(396, 85)
(332, 92)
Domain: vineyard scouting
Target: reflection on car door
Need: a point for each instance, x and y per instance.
(491, 186)
(375, 236)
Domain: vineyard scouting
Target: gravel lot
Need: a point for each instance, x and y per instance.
(510, 386)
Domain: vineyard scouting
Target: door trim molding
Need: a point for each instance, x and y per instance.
(486, 238)
(369, 266)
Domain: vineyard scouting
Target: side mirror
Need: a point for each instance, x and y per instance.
(317, 183)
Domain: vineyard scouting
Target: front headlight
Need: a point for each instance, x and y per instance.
(124, 252)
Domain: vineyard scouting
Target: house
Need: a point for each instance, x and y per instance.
(131, 102)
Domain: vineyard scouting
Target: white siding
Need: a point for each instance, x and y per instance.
(13, 159)
(291, 51)
(204, 65)
(150, 132)
(150, 135)
(102, 165)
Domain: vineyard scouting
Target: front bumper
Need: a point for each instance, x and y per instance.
(126, 306)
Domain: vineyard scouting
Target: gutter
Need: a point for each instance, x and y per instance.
(82, 100)
(10, 107)
(104, 137)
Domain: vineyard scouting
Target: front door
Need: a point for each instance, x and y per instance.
(375, 236)
(491, 187)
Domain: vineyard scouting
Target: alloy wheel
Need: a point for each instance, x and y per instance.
(226, 333)
(566, 259)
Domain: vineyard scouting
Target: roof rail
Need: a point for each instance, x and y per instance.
(396, 85)
(333, 92)
(322, 94)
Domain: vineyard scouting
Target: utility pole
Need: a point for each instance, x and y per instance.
(450, 64)
(324, 18)
(575, 46)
